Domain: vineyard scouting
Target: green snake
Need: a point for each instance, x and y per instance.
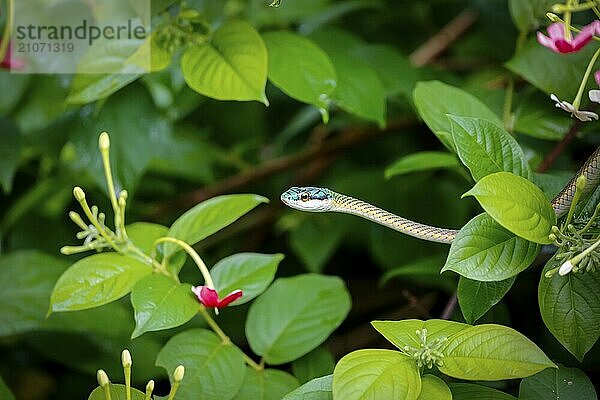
(315, 199)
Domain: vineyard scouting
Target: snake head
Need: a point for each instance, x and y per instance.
(308, 198)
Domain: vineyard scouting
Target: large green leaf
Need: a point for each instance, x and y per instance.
(250, 272)
(160, 303)
(486, 148)
(526, 14)
(26, 278)
(318, 362)
(549, 71)
(476, 298)
(301, 69)
(516, 204)
(267, 384)
(214, 370)
(421, 161)
(376, 374)
(137, 133)
(10, 151)
(359, 90)
(433, 387)
(403, 333)
(314, 241)
(232, 66)
(435, 99)
(143, 234)
(397, 74)
(491, 352)
(117, 392)
(295, 315)
(570, 308)
(470, 391)
(485, 251)
(316, 389)
(557, 384)
(96, 280)
(208, 217)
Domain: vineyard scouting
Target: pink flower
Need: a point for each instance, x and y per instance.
(9, 62)
(559, 44)
(209, 297)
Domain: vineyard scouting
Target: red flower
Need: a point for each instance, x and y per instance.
(557, 41)
(209, 297)
(9, 62)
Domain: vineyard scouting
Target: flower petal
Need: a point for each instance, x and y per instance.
(594, 96)
(556, 31)
(585, 116)
(597, 77)
(231, 297)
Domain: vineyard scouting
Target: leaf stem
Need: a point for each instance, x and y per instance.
(10, 15)
(188, 249)
(588, 71)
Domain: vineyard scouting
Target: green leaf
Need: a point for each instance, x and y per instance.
(397, 74)
(476, 298)
(526, 14)
(117, 392)
(10, 152)
(516, 204)
(232, 66)
(96, 280)
(318, 362)
(301, 69)
(306, 306)
(491, 352)
(549, 71)
(485, 251)
(570, 308)
(208, 217)
(470, 391)
(376, 374)
(160, 303)
(424, 272)
(133, 140)
(316, 389)
(250, 272)
(144, 234)
(558, 384)
(315, 241)
(435, 99)
(267, 384)
(5, 392)
(433, 387)
(214, 370)
(359, 90)
(421, 161)
(26, 278)
(485, 148)
(403, 333)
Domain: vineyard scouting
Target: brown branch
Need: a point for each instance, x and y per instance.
(438, 43)
(344, 140)
(450, 306)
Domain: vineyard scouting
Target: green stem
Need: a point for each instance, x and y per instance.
(174, 388)
(567, 14)
(10, 15)
(592, 219)
(586, 76)
(226, 340)
(203, 269)
(575, 8)
(506, 112)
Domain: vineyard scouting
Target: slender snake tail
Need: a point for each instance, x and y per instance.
(316, 199)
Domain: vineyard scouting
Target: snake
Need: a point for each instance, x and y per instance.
(318, 199)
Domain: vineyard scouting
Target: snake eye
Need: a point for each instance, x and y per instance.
(304, 196)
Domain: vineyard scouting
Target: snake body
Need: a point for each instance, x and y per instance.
(316, 199)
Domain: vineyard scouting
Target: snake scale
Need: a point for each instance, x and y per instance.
(315, 199)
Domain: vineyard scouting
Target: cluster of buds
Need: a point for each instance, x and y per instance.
(565, 38)
(109, 389)
(577, 240)
(427, 354)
